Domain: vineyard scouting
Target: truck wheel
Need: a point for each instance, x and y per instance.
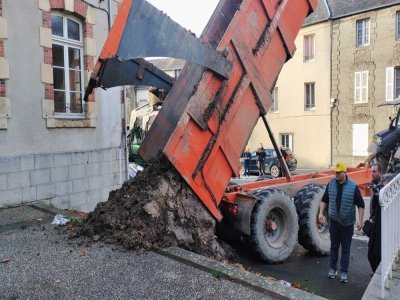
(274, 171)
(274, 225)
(312, 236)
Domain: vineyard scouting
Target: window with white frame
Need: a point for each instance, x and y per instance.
(309, 47)
(274, 106)
(287, 140)
(309, 96)
(360, 139)
(361, 87)
(67, 50)
(392, 83)
(398, 25)
(362, 32)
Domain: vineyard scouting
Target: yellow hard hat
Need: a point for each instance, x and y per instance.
(340, 167)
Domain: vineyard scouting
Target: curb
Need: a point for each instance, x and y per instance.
(221, 270)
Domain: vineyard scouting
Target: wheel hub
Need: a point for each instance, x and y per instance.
(271, 225)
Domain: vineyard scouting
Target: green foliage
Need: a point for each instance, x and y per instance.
(78, 220)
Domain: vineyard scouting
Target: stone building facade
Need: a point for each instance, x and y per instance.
(365, 54)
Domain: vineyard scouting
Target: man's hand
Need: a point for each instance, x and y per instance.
(321, 219)
(360, 225)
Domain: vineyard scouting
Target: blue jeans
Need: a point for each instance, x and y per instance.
(340, 236)
(247, 167)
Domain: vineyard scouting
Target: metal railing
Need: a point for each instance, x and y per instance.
(389, 198)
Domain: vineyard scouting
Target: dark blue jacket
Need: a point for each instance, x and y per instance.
(343, 212)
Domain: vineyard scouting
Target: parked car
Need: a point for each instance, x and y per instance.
(272, 165)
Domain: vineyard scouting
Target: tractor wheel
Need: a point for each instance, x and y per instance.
(274, 225)
(312, 236)
(275, 171)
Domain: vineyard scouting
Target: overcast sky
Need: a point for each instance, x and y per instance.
(190, 14)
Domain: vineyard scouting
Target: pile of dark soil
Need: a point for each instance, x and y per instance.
(152, 211)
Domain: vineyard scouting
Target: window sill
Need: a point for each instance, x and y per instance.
(69, 117)
(57, 120)
(71, 123)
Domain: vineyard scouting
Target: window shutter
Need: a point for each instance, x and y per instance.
(357, 87)
(360, 139)
(364, 93)
(389, 83)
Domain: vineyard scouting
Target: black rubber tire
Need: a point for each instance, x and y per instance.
(312, 237)
(275, 171)
(276, 246)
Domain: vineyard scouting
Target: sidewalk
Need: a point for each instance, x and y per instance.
(374, 288)
(36, 261)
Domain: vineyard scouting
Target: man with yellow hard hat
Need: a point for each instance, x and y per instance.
(341, 197)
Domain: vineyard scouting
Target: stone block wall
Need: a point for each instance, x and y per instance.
(77, 180)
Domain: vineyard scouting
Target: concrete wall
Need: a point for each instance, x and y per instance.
(311, 129)
(383, 52)
(28, 138)
(76, 180)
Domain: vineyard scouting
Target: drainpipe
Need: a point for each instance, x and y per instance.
(332, 101)
(125, 137)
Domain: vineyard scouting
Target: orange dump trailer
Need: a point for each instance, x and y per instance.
(213, 107)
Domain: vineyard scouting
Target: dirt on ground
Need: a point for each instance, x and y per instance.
(152, 211)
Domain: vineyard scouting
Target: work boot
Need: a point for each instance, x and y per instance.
(332, 273)
(343, 277)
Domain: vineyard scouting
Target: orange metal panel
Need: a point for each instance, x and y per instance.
(114, 38)
(217, 117)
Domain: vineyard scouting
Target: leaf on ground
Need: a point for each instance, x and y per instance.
(296, 285)
(270, 278)
(5, 260)
(84, 253)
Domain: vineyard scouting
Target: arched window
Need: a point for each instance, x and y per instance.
(67, 50)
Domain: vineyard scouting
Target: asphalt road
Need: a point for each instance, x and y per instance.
(311, 271)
